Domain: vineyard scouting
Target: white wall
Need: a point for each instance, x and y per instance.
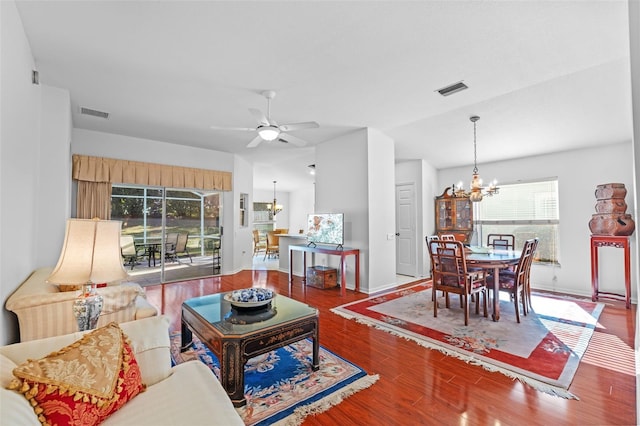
(240, 242)
(34, 166)
(54, 182)
(88, 142)
(19, 160)
(355, 176)
(578, 173)
(381, 210)
(342, 187)
(301, 203)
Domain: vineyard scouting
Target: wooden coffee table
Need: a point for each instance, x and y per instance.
(235, 336)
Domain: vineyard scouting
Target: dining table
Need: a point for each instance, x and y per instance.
(151, 245)
(493, 259)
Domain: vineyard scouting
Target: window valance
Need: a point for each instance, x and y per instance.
(99, 169)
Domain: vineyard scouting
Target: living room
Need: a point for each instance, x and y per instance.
(39, 136)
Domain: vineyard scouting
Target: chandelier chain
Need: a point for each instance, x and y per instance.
(475, 155)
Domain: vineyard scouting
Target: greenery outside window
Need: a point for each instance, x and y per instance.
(526, 210)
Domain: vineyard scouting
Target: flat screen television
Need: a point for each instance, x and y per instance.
(325, 228)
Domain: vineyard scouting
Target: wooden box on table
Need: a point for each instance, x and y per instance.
(322, 277)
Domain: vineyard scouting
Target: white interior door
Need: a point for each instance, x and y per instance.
(406, 262)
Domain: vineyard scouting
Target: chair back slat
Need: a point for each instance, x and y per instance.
(501, 241)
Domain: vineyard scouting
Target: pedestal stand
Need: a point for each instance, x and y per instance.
(617, 242)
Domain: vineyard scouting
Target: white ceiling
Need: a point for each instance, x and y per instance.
(544, 76)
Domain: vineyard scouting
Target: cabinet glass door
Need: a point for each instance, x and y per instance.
(463, 214)
(443, 214)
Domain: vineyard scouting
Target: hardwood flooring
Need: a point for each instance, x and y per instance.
(419, 386)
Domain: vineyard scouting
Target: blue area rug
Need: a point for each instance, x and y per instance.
(281, 387)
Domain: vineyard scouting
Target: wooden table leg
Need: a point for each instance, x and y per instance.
(357, 256)
(304, 268)
(186, 337)
(316, 347)
(627, 274)
(343, 276)
(290, 269)
(496, 294)
(232, 372)
(594, 272)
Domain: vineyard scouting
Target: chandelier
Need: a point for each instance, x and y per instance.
(274, 208)
(476, 191)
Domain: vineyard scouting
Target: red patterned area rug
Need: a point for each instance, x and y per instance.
(280, 386)
(543, 351)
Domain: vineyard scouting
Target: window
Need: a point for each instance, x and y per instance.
(526, 210)
(194, 214)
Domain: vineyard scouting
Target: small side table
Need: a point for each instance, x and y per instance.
(617, 242)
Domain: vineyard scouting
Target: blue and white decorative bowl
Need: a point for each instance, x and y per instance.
(250, 297)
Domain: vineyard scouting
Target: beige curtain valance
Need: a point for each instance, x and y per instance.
(99, 169)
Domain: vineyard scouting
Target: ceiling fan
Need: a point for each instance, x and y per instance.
(269, 130)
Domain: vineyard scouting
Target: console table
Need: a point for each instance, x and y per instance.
(342, 252)
(617, 242)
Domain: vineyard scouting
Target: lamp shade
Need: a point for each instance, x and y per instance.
(91, 253)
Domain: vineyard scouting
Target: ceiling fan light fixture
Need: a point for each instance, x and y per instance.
(268, 133)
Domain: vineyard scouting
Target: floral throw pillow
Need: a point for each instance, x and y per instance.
(83, 383)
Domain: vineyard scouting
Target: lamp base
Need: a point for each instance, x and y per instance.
(87, 307)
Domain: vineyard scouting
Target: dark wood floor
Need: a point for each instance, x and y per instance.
(422, 386)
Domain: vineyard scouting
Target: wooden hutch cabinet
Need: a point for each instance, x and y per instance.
(454, 215)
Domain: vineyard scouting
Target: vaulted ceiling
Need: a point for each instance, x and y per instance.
(544, 76)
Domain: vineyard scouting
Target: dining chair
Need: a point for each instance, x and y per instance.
(501, 241)
(170, 243)
(130, 253)
(528, 273)
(258, 243)
(447, 237)
(273, 244)
(428, 239)
(451, 276)
(181, 245)
(515, 282)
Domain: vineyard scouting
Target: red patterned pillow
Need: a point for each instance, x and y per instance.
(83, 383)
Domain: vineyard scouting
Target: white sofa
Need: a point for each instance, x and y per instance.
(44, 311)
(187, 394)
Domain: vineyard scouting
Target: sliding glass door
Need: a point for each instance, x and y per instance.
(177, 232)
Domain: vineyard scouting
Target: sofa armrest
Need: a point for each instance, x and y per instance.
(43, 311)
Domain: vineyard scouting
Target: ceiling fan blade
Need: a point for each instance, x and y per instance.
(259, 115)
(243, 129)
(298, 126)
(255, 142)
(293, 140)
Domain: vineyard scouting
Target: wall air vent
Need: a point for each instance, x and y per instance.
(454, 88)
(94, 113)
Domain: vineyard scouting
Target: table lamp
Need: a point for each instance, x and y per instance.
(90, 255)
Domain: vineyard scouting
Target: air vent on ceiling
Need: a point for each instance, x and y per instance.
(94, 113)
(454, 88)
